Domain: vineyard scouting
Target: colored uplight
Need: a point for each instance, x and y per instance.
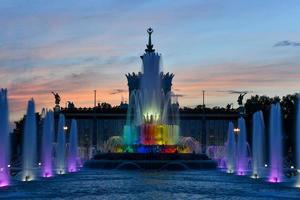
(241, 173)
(47, 174)
(4, 180)
(151, 134)
(274, 180)
(3, 183)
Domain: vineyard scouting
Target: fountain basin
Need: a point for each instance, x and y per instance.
(151, 161)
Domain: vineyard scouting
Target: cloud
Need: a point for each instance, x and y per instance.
(118, 91)
(234, 91)
(178, 95)
(285, 43)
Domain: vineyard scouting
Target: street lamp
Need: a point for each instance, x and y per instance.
(236, 130)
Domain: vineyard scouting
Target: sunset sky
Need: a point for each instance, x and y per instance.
(73, 47)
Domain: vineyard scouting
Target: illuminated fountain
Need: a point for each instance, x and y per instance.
(151, 137)
(230, 149)
(72, 153)
(152, 123)
(61, 146)
(29, 143)
(242, 158)
(275, 143)
(4, 135)
(47, 144)
(258, 145)
(298, 137)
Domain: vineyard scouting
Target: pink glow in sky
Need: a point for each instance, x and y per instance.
(74, 48)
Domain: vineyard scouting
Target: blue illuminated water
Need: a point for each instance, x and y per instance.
(100, 184)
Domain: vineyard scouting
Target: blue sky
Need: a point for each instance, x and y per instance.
(74, 47)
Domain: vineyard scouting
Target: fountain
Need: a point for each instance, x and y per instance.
(230, 150)
(61, 146)
(72, 154)
(152, 127)
(152, 121)
(242, 158)
(258, 144)
(298, 137)
(29, 143)
(4, 135)
(47, 144)
(188, 145)
(275, 143)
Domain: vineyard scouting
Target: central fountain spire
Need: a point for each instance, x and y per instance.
(149, 45)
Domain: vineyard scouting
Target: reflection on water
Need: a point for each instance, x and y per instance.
(100, 184)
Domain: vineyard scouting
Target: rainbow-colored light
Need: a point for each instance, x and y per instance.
(151, 134)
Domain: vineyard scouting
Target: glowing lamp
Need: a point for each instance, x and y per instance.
(236, 130)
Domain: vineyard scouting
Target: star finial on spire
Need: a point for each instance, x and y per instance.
(149, 45)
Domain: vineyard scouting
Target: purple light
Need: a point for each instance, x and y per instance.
(241, 157)
(72, 168)
(4, 177)
(72, 155)
(47, 174)
(276, 158)
(4, 136)
(241, 173)
(274, 180)
(47, 141)
(4, 183)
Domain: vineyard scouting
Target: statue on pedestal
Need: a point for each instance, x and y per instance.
(57, 100)
(240, 102)
(240, 99)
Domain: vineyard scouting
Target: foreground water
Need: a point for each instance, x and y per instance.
(100, 184)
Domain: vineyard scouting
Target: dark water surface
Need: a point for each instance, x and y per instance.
(102, 184)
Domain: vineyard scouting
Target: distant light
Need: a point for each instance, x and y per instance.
(65, 128)
(292, 167)
(236, 130)
(40, 164)
(266, 165)
(1, 169)
(8, 166)
(298, 170)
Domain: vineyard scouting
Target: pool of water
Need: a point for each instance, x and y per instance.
(142, 185)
